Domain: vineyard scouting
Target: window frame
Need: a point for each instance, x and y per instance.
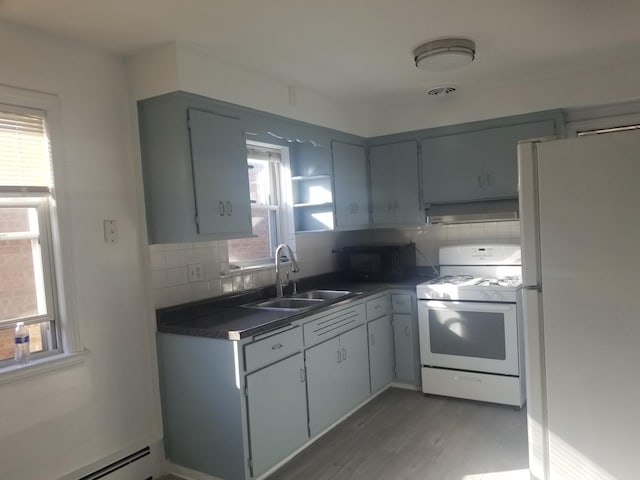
(42, 205)
(280, 175)
(69, 349)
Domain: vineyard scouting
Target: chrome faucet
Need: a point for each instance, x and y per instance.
(294, 267)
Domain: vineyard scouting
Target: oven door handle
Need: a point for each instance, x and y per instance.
(470, 306)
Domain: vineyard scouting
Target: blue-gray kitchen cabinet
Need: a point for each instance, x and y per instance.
(500, 160)
(350, 185)
(476, 165)
(405, 338)
(451, 167)
(337, 377)
(277, 412)
(194, 171)
(381, 352)
(395, 196)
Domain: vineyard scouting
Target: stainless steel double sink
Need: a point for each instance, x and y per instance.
(301, 301)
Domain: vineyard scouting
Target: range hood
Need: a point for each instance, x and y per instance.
(470, 212)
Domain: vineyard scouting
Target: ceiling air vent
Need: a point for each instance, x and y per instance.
(438, 91)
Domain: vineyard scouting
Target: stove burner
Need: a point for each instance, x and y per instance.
(509, 281)
(498, 282)
(452, 280)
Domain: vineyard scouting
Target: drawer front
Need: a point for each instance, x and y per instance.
(271, 349)
(378, 307)
(401, 303)
(332, 324)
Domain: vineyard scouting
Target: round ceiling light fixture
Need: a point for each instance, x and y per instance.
(444, 54)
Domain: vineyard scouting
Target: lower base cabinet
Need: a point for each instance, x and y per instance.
(277, 412)
(403, 336)
(381, 352)
(235, 409)
(337, 377)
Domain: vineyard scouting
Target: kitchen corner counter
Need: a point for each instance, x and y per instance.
(225, 317)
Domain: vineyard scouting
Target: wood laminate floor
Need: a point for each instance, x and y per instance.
(404, 435)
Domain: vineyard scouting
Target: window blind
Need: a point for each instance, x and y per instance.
(268, 154)
(25, 158)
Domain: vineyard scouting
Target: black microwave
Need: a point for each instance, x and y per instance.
(378, 263)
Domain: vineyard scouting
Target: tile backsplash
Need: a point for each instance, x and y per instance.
(170, 264)
(315, 253)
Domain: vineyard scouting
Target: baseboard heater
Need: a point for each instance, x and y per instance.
(123, 469)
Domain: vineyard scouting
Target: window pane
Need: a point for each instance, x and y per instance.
(38, 333)
(260, 183)
(21, 287)
(14, 220)
(258, 247)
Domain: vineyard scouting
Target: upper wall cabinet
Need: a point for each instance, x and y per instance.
(476, 165)
(350, 185)
(194, 165)
(395, 198)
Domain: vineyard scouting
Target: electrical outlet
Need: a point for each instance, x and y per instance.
(110, 231)
(195, 272)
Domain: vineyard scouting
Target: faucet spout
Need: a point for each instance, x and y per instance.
(294, 266)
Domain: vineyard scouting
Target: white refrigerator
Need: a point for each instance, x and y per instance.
(580, 226)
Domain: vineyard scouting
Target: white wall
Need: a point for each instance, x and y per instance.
(58, 422)
(587, 87)
(178, 66)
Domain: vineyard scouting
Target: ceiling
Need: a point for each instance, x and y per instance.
(357, 51)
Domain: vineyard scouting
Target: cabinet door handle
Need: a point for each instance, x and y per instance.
(372, 340)
(355, 208)
(480, 181)
(339, 356)
(302, 375)
(229, 207)
(221, 208)
(276, 346)
(406, 331)
(344, 354)
(488, 179)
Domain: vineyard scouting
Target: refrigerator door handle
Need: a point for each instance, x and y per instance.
(529, 220)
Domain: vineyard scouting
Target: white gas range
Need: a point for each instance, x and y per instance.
(471, 341)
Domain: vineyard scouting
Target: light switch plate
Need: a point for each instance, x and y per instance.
(110, 231)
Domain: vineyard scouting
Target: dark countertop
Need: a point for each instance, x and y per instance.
(225, 317)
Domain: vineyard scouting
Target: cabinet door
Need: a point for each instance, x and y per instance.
(323, 384)
(452, 168)
(277, 412)
(381, 356)
(350, 184)
(354, 369)
(341, 184)
(337, 377)
(221, 183)
(358, 185)
(383, 206)
(394, 183)
(406, 184)
(501, 156)
(405, 353)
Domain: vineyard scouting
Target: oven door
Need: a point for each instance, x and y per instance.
(473, 336)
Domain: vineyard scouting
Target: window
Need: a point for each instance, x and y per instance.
(27, 278)
(268, 168)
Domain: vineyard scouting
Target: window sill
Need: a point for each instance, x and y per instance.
(40, 366)
(246, 269)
